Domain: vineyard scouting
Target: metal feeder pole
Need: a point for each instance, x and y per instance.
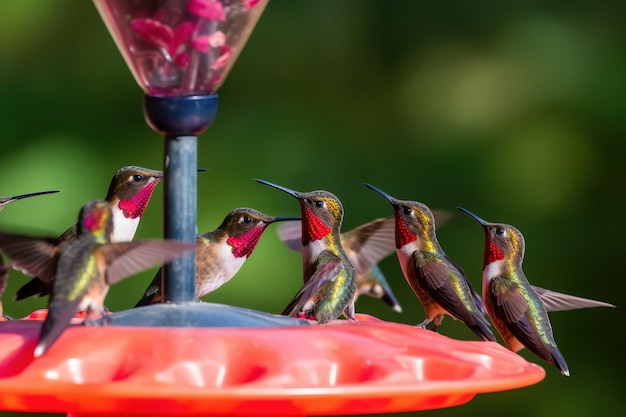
(180, 119)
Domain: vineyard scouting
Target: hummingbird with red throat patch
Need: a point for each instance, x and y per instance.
(519, 310)
(129, 193)
(220, 253)
(83, 267)
(439, 283)
(365, 246)
(329, 277)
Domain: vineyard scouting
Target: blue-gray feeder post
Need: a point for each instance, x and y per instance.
(180, 119)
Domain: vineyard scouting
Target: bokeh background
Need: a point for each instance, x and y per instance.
(514, 111)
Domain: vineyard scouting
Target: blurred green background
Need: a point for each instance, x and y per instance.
(514, 111)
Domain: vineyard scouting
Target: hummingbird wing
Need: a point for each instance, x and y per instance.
(557, 301)
(328, 267)
(508, 299)
(443, 283)
(128, 258)
(377, 286)
(42, 286)
(290, 232)
(365, 245)
(368, 244)
(451, 290)
(69, 234)
(34, 287)
(476, 297)
(441, 216)
(34, 256)
(530, 326)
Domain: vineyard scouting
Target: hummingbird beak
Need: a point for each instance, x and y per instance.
(285, 189)
(286, 218)
(381, 192)
(19, 197)
(203, 169)
(473, 216)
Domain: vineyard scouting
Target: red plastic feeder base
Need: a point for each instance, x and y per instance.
(367, 366)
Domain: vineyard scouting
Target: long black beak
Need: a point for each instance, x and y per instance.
(285, 189)
(381, 192)
(286, 218)
(473, 216)
(19, 197)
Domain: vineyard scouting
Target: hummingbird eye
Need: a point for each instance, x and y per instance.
(500, 231)
(137, 178)
(408, 211)
(319, 204)
(247, 219)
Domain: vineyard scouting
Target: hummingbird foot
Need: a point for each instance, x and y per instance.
(106, 319)
(432, 328)
(429, 324)
(424, 324)
(91, 318)
(309, 314)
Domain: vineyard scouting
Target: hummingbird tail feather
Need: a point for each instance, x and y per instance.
(558, 361)
(391, 301)
(481, 329)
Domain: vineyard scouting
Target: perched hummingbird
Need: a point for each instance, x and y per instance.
(6, 200)
(518, 310)
(84, 267)
(129, 194)
(365, 246)
(220, 253)
(329, 277)
(439, 283)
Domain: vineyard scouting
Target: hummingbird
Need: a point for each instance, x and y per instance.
(329, 276)
(129, 193)
(84, 267)
(365, 246)
(6, 200)
(220, 253)
(438, 282)
(519, 310)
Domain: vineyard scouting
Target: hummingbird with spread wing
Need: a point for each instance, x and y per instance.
(328, 275)
(519, 310)
(129, 193)
(365, 246)
(84, 267)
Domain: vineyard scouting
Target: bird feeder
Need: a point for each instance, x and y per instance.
(362, 367)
